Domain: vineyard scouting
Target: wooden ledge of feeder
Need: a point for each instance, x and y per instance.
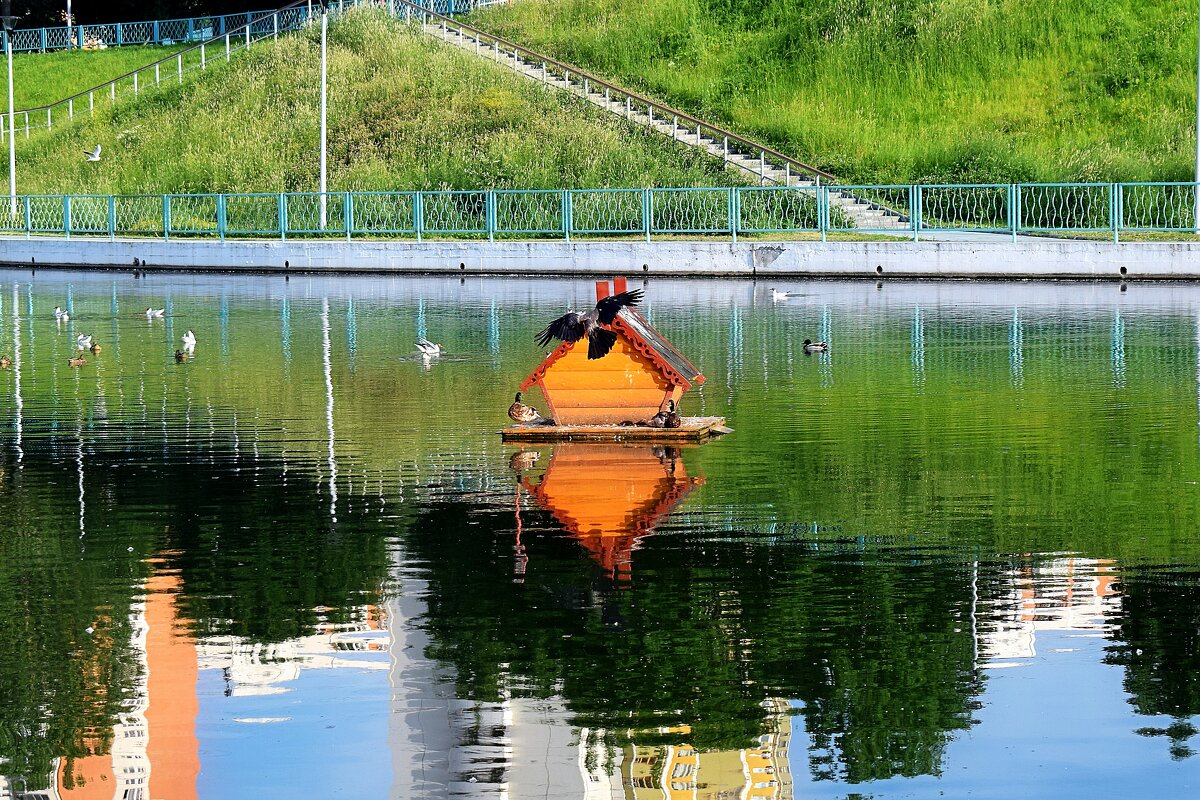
(692, 429)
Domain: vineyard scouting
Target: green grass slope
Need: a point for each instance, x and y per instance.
(906, 90)
(43, 78)
(405, 112)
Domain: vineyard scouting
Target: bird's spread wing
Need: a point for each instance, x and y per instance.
(609, 306)
(600, 341)
(568, 327)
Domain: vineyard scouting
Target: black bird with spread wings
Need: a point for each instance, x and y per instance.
(573, 326)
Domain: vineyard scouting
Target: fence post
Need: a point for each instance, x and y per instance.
(732, 202)
(647, 212)
(157, 78)
(43, 40)
(221, 217)
(227, 47)
(135, 83)
(190, 31)
(762, 166)
(112, 217)
(282, 217)
(202, 60)
(249, 28)
(914, 209)
(348, 213)
(67, 216)
(179, 67)
(120, 34)
(1114, 203)
(490, 215)
(1016, 210)
(418, 213)
(157, 38)
(823, 211)
(166, 217)
(28, 219)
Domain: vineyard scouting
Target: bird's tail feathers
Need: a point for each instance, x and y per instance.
(600, 341)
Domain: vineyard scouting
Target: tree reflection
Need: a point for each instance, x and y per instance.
(1158, 644)
(876, 646)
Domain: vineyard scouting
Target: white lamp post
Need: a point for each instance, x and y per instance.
(12, 132)
(324, 126)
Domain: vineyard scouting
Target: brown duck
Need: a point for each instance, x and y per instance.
(180, 356)
(525, 414)
(76, 362)
(5, 362)
(667, 418)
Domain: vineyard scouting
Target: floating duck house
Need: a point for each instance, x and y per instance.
(632, 382)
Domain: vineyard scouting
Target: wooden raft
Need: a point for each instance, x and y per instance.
(693, 429)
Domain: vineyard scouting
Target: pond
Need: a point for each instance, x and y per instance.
(957, 554)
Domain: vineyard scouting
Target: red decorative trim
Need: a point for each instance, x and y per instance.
(537, 375)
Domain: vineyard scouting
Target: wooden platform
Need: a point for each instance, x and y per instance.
(694, 429)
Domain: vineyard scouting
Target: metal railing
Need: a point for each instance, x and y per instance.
(168, 32)
(1002, 210)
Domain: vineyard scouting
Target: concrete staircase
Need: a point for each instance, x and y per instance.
(857, 212)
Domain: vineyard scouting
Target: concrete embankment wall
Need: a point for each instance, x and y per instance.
(1025, 258)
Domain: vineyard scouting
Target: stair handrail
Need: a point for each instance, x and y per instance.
(701, 125)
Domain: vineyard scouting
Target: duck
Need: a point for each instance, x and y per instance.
(428, 348)
(189, 340)
(815, 347)
(5, 362)
(666, 418)
(777, 295)
(180, 356)
(523, 460)
(573, 326)
(525, 414)
(78, 361)
(95, 348)
(60, 315)
(83, 342)
(155, 313)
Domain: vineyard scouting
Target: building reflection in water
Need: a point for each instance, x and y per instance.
(606, 496)
(1064, 594)
(158, 725)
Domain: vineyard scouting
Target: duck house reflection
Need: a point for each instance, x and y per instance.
(608, 496)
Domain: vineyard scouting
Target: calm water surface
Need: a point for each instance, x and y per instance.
(958, 555)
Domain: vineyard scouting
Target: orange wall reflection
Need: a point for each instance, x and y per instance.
(155, 754)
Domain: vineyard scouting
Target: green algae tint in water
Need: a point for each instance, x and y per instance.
(957, 555)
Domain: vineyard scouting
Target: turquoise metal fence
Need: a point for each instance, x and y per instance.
(1105, 210)
(180, 31)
